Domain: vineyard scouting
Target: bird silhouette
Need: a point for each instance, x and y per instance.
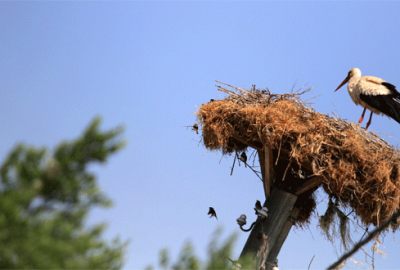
(212, 213)
(196, 128)
(258, 207)
(243, 157)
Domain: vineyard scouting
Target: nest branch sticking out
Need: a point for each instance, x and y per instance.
(360, 169)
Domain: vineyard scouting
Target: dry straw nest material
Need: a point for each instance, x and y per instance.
(359, 169)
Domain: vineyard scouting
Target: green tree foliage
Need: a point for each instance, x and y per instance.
(219, 256)
(44, 200)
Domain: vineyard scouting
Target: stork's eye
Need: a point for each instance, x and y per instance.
(348, 74)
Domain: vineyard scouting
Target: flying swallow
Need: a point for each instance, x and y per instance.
(212, 213)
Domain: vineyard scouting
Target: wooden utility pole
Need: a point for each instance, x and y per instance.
(282, 236)
(269, 234)
(266, 232)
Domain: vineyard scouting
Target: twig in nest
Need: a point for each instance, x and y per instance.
(366, 230)
(350, 212)
(253, 153)
(311, 262)
(200, 141)
(280, 145)
(308, 99)
(233, 166)
(284, 174)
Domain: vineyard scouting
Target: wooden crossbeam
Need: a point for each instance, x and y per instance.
(309, 184)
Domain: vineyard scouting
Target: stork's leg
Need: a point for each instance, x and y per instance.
(362, 117)
(369, 121)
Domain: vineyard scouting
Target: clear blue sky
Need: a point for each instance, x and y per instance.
(149, 65)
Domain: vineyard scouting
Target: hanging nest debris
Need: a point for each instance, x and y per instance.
(359, 169)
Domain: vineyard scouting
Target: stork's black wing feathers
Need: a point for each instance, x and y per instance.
(388, 104)
(390, 86)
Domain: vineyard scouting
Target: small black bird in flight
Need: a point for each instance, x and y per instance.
(212, 213)
(196, 128)
(243, 157)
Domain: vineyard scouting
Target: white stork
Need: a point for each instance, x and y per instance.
(374, 94)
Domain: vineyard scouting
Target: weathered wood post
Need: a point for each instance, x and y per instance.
(268, 235)
(266, 232)
(273, 254)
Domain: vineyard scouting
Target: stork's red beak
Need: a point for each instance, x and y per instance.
(344, 82)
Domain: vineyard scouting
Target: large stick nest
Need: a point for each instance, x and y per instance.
(359, 168)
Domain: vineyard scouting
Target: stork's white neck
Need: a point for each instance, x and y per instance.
(351, 85)
(355, 76)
